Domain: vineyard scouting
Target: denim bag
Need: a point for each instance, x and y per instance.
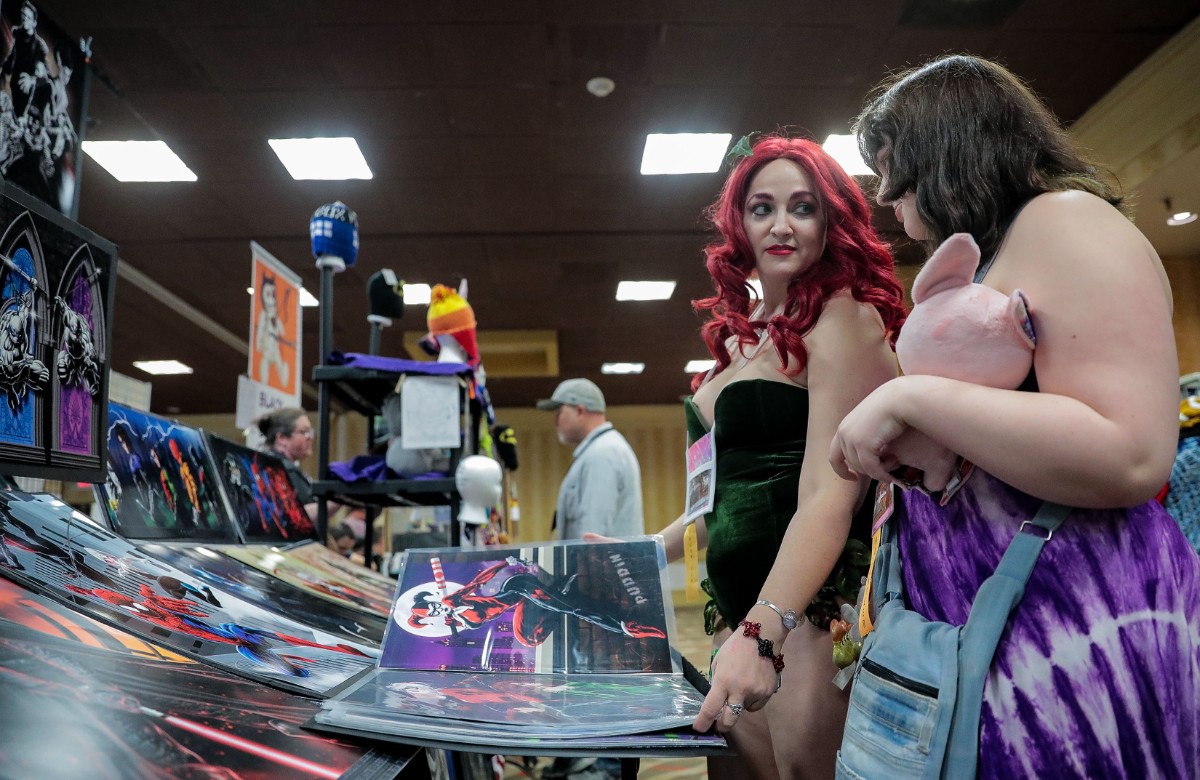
(914, 711)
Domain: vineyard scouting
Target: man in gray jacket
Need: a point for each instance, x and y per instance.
(602, 491)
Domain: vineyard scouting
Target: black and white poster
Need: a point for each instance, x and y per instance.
(43, 105)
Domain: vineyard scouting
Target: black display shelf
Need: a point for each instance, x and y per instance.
(362, 390)
(417, 491)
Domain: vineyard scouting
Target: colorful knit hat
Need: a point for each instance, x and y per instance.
(450, 314)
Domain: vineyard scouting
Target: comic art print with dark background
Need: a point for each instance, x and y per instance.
(272, 593)
(131, 708)
(328, 584)
(43, 105)
(260, 497)
(571, 607)
(57, 282)
(159, 485)
(48, 547)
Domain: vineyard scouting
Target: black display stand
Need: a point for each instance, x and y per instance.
(363, 390)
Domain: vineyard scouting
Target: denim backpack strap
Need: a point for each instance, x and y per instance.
(997, 597)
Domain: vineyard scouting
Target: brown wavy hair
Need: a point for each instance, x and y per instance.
(975, 144)
(854, 259)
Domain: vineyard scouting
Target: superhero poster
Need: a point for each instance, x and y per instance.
(259, 495)
(159, 485)
(329, 585)
(49, 548)
(71, 709)
(271, 593)
(571, 607)
(56, 298)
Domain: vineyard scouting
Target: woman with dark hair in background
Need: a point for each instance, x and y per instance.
(784, 530)
(288, 434)
(1098, 671)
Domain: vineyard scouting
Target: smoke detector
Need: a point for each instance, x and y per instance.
(601, 86)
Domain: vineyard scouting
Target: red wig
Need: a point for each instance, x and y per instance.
(854, 259)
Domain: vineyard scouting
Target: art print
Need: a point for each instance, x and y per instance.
(159, 484)
(321, 557)
(43, 103)
(259, 495)
(328, 585)
(46, 547)
(270, 593)
(553, 608)
(69, 708)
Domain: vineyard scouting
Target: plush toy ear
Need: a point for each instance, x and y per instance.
(953, 264)
(1018, 312)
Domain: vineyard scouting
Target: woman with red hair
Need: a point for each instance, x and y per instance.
(786, 536)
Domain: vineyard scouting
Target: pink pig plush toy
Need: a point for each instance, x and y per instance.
(963, 330)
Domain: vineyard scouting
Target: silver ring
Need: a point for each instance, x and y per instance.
(736, 709)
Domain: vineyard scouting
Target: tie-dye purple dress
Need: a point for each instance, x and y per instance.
(1098, 673)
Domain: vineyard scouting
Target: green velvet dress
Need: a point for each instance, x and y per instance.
(760, 432)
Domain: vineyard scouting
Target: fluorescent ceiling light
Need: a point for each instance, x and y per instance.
(138, 160)
(160, 367)
(696, 366)
(844, 149)
(644, 291)
(622, 368)
(330, 159)
(1181, 218)
(684, 152)
(306, 298)
(417, 294)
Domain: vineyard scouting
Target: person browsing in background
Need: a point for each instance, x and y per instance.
(601, 494)
(602, 491)
(342, 540)
(784, 531)
(1097, 673)
(288, 434)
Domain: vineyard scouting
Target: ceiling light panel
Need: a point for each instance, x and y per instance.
(162, 367)
(696, 366)
(844, 149)
(644, 291)
(326, 159)
(417, 294)
(622, 368)
(675, 153)
(130, 161)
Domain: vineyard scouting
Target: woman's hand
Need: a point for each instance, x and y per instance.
(740, 677)
(591, 537)
(937, 464)
(861, 446)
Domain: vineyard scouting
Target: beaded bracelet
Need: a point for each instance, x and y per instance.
(766, 648)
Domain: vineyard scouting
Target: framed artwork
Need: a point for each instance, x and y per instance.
(57, 282)
(43, 105)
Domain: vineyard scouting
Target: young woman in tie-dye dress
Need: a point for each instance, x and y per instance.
(1098, 672)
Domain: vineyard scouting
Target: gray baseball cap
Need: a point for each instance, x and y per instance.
(574, 392)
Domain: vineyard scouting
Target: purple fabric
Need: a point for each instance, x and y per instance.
(399, 365)
(1098, 671)
(372, 468)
